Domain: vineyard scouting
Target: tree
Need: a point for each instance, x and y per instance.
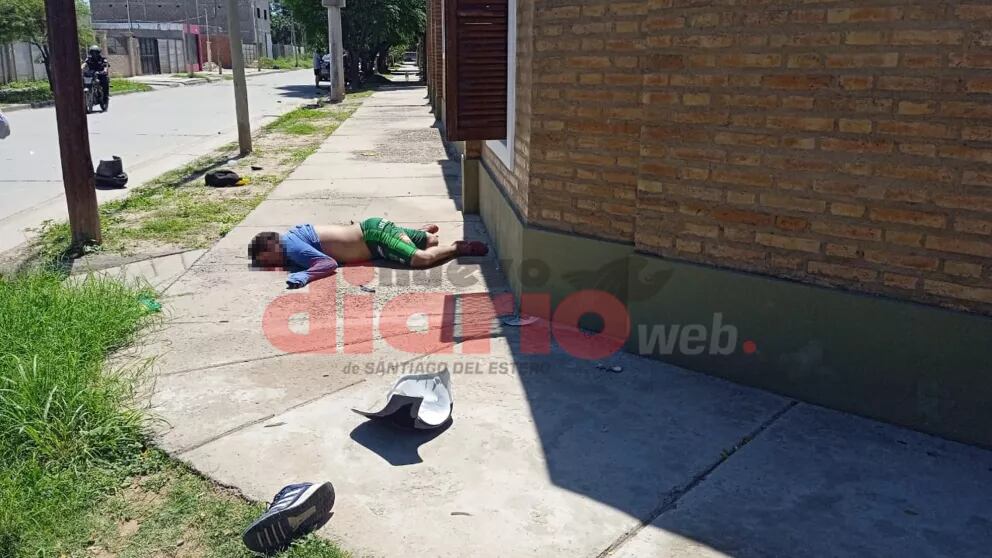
(282, 23)
(370, 28)
(24, 20)
(311, 17)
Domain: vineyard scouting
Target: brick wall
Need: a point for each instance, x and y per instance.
(587, 115)
(844, 143)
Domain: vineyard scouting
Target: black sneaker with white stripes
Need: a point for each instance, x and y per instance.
(296, 510)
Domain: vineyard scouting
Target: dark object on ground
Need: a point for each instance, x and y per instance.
(256, 168)
(471, 248)
(420, 401)
(367, 288)
(110, 174)
(296, 510)
(222, 178)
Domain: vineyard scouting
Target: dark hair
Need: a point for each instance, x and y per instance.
(260, 244)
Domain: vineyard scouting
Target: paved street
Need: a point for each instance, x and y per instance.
(152, 132)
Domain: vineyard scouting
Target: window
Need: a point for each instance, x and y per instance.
(476, 52)
(265, 15)
(504, 148)
(258, 13)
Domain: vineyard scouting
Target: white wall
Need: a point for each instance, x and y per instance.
(20, 61)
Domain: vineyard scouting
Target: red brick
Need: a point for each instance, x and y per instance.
(910, 261)
(788, 242)
(981, 248)
(741, 216)
(919, 218)
(900, 281)
(845, 230)
(953, 290)
(962, 269)
(842, 271)
(798, 82)
(862, 15)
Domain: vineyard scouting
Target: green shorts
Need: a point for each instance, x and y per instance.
(385, 240)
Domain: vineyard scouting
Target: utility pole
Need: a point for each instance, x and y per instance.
(74, 142)
(292, 39)
(186, 53)
(206, 24)
(130, 40)
(254, 28)
(238, 66)
(336, 47)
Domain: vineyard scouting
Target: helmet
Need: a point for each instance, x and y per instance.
(94, 50)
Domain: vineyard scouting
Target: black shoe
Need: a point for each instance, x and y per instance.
(296, 510)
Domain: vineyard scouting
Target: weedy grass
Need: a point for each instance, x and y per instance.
(65, 423)
(76, 475)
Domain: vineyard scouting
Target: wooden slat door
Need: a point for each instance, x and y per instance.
(475, 69)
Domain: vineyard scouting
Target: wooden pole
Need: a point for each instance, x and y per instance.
(70, 115)
(240, 85)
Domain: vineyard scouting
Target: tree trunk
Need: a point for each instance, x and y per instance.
(352, 70)
(368, 65)
(43, 49)
(383, 61)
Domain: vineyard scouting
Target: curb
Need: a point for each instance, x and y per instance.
(46, 104)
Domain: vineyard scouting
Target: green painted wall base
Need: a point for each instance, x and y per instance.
(909, 364)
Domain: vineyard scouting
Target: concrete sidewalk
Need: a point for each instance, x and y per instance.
(547, 455)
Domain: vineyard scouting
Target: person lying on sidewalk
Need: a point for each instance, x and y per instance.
(314, 252)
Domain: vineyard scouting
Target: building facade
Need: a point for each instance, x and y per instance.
(165, 34)
(817, 174)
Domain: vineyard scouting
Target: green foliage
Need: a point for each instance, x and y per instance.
(24, 20)
(63, 419)
(369, 26)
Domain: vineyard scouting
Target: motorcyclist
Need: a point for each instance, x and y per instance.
(96, 63)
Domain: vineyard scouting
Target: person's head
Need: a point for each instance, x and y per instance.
(265, 250)
(94, 51)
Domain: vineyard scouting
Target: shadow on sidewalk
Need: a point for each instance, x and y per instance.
(381, 439)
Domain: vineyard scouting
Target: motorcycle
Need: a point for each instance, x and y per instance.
(93, 93)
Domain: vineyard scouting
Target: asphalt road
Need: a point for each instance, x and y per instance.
(152, 132)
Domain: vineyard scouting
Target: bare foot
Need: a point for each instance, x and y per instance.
(431, 228)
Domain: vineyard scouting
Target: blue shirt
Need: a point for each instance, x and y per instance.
(303, 256)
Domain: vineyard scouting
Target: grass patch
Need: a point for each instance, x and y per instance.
(285, 63)
(308, 121)
(64, 423)
(76, 476)
(38, 91)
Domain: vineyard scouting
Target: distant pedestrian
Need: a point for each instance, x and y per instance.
(4, 126)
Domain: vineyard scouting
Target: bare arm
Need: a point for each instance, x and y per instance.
(437, 254)
(433, 256)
